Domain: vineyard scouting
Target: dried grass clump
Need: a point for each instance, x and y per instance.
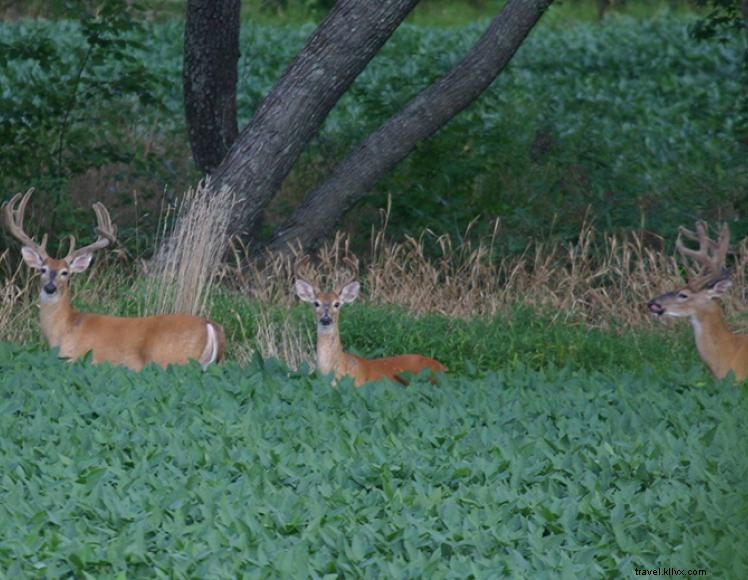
(188, 260)
(16, 310)
(599, 280)
(286, 341)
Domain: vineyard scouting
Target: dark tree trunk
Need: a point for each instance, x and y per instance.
(293, 112)
(211, 54)
(419, 119)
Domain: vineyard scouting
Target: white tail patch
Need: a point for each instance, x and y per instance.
(210, 352)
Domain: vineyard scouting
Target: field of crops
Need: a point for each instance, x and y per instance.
(631, 118)
(569, 438)
(557, 472)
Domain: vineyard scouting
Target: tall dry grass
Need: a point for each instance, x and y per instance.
(15, 306)
(188, 261)
(599, 280)
(602, 280)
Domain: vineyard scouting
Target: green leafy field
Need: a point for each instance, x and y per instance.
(554, 472)
(550, 450)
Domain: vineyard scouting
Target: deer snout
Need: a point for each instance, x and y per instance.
(50, 288)
(325, 320)
(655, 307)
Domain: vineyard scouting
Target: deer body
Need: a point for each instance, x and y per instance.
(720, 349)
(131, 342)
(331, 358)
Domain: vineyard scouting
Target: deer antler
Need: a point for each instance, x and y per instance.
(711, 255)
(106, 231)
(14, 221)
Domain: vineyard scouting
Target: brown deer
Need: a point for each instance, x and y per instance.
(132, 342)
(722, 351)
(330, 355)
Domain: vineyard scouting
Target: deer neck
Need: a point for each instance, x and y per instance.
(329, 349)
(715, 342)
(57, 316)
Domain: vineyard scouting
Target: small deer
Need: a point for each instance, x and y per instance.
(330, 355)
(132, 342)
(722, 351)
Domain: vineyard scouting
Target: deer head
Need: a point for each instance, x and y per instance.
(326, 304)
(55, 274)
(712, 280)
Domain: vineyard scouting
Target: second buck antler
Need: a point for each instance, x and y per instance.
(132, 342)
(330, 355)
(722, 351)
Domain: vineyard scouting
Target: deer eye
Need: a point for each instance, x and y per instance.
(336, 305)
(64, 273)
(316, 303)
(682, 295)
(44, 269)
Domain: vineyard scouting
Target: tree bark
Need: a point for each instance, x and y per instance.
(419, 119)
(211, 54)
(335, 54)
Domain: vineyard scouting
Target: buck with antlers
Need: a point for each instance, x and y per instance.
(132, 342)
(722, 351)
(330, 355)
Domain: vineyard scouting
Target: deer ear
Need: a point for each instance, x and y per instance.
(719, 287)
(305, 290)
(349, 292)
(32, 258)
(81, 262)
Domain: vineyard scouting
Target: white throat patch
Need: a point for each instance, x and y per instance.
(324, 330)
(674, 314)
(45, 298)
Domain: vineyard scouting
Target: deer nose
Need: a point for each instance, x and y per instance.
(50, 288)
(325, 320)
(655, 307)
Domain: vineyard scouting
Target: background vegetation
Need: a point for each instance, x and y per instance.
(629, 120)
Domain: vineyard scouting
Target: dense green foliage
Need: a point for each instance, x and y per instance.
(63, 108)
(633, 119)
(532, 473)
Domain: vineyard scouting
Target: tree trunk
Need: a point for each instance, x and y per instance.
(336, 52)
(419, 119)
(211, 54)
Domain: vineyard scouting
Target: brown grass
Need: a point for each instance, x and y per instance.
(15, 306)
(599, 280)
(286, 340)
(184, 269)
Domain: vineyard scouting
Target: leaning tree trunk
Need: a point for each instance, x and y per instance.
(293, 112)
(420, 118)
(211, 54)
